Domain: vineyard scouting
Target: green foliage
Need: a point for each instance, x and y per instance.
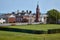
(53, 16)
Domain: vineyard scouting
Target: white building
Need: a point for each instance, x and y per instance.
(2, 20)
(43, 18)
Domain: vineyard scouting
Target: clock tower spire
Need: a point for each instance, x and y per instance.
(37, 13)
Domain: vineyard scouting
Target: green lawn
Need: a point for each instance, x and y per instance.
(5, 35)
(38, 26)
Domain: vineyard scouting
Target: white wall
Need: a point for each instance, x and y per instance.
(2, 20)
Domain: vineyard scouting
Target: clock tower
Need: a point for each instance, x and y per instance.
(37, 14)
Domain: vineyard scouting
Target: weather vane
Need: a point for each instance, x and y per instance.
(37, 2)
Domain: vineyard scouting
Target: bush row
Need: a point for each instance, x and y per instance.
(51, 31)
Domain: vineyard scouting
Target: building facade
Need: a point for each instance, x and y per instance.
(11, 19)
(25, 16)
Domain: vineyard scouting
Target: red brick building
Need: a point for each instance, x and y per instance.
(11, 19)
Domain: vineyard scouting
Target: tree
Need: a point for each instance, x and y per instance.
(53, 16)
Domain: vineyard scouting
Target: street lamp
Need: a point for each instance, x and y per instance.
(30, 19)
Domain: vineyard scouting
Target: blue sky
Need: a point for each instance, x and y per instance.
(14, 5)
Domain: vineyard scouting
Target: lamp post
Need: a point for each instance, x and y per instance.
(30, 17)
(30, 20)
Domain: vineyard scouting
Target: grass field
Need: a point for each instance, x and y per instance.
(6, 35)
(38, 26)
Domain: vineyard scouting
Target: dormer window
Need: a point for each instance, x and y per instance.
(19, 14)
(26, 14)
(11, 16)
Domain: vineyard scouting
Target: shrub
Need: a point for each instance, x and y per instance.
(13, 24)
(50, 31)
